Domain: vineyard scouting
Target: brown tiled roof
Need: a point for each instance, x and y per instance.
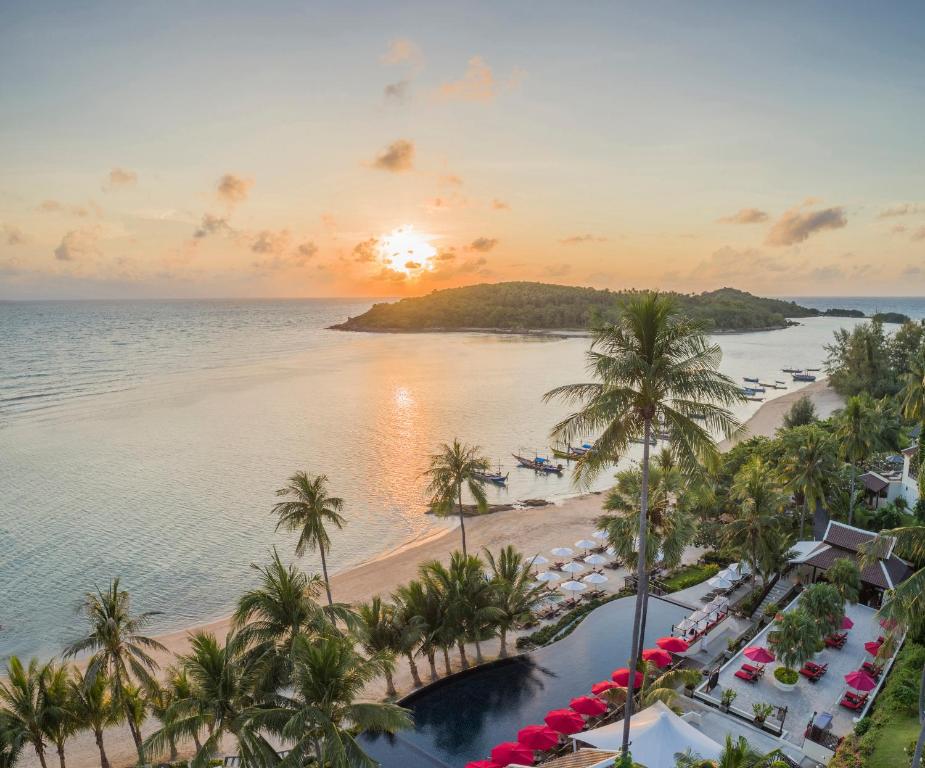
(847, 536)
(583, 758)
(873, 482)
(824, 557)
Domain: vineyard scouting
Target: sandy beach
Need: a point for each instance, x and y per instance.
(533, 530)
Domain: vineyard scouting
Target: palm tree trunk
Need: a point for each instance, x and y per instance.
(415, 677)
(40, 751)
(503, 654)
(60, 747)
(641, 584)
(464, 662)
(854, 471)
(98, 735)
(173, 750)
(431, 660)
(324, 571)
(446, 660)
(803, 516)
(129, 716)
(390, 685)
(196, 743)
(462, 522)
(478, 652)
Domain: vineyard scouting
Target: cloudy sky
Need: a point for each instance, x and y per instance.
(352, 149)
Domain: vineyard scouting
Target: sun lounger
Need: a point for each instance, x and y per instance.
(757, 670)
(812, 671)
(874, 670)
(853, 701)
(835, 641)
(749, 673)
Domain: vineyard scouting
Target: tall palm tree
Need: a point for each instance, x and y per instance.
(657, 687)
(160, 700)
(420, 600)
(735, 754)
(94, 708)
(515, 593)
(913, 400)
(845, 576)
(454, 467)
(795, 638)
(807, 466)
(651, 367)
(379, 635)
(321, 716)
(23, 701)
(755, 527)
(453, 630)
(10, 744)
(60, 722)
(856, 433)
(824, 604)
(308, 511)
(119, 649)
(410, 634)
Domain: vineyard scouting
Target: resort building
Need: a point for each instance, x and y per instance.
(814, 558)
(896, 480)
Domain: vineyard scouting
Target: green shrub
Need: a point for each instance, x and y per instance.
(786, 676)
(863, 725)
(689, 575)
(567, 623)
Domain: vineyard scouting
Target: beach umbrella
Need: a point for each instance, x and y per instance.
(539, 560)
(511, 752)
(603, 686)
(587, 705)
(596, 560)
(565, 721)
(600, 535)
(759, 653)
(561, 552)
(728, 575)
(673, 644)
(846, 623)
(548, 576)
(873, 647)
(540, 737)
(573, 586)
(622, 678)
(585, 544)
(611, 551)
(573, 568)
(719, 583)
(860, 680)
(483, 764)
(734, 567)
(660, 658)
(595, 578)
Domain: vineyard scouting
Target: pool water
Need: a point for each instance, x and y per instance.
(463, 718)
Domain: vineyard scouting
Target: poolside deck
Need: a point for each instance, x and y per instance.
(807, 698)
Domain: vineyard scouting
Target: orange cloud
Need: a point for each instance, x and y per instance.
(478, 84)
(745, 216)
(397, 157)
(233, 189)
(797, 225)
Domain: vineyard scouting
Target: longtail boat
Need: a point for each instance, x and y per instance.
(539, 464)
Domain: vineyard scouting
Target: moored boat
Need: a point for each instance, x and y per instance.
(493, 477)
(792, 370)
(539, 464)
(571, 452)
(803, 377)
(750, 379)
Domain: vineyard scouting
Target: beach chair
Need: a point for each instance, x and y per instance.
(757, 670)
(853, 701)
(835, 641)
(812, 671)
(748, 673)
(874, 670)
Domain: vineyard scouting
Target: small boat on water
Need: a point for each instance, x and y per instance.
(493, 477)
(771, 386)
(571, 452)
(539, 464)
(752, 390)
(755, 399)
(792, 370)
(749, 379)
(803, 377)
(783, 384)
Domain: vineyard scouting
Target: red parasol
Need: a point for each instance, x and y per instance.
(602, 687)
(622, 678)
(586, 705)
(846, 623)
(873, 647)
(658, 656)
(759, 653)
(673, 644)
(860, 680)
(565, 721)
(511, 752)
(483, 764)
(540, 737)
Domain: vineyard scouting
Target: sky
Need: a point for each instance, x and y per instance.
(240, 149)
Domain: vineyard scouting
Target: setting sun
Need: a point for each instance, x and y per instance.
(407, 251)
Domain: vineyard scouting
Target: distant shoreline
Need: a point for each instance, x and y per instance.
(558, 333)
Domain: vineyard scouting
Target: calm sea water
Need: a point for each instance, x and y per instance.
(146, 440)
(913, 306)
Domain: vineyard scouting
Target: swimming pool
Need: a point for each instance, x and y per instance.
(463, 718)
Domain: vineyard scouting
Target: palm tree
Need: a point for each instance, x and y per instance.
(856, 433)
(418, 599)
(455, 466)
(795, 638)
(807, 466)
(651, 367)
(119, 649)
(657, 687)
(845, 576)
(515, 593)
(94, 708)
(320, 717)
(23, 703)
(308, 511)
(10, 743)
(160, 699)
(410, 630)
(913, 400)
(735, 754)
(379, 636)
(60, 721)
(754, 528)
(823, 603)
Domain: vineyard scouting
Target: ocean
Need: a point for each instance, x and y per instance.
(146, 439)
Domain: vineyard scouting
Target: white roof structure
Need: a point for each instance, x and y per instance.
(656, 735)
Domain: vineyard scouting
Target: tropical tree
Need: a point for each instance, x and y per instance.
(856, 433)
(663, 687)
(419, 599)
(754, 530)
(320, 717)
(803, 411)
(94, 708)
(651, 367)
(60, 722)
(24, 705)
(515, 593)
(454, 467)
(736, 753)
(119, 649)
(845, 576)
(410, 630)
(10, 744)
(379, 635)
(795, 638)
(823, 603)
(912, 397)
(159, 697)
(480, 614)
(453, 630)
(309, 510)
(807, 466)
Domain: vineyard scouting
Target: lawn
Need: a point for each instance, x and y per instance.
(689, 575)
(889, 744)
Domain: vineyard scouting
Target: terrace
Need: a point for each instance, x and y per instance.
(800, 705)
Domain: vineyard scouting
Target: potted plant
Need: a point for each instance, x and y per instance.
(795, 639)
(761, 710)
(726, 699)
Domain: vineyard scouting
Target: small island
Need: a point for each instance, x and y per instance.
(544, 307)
